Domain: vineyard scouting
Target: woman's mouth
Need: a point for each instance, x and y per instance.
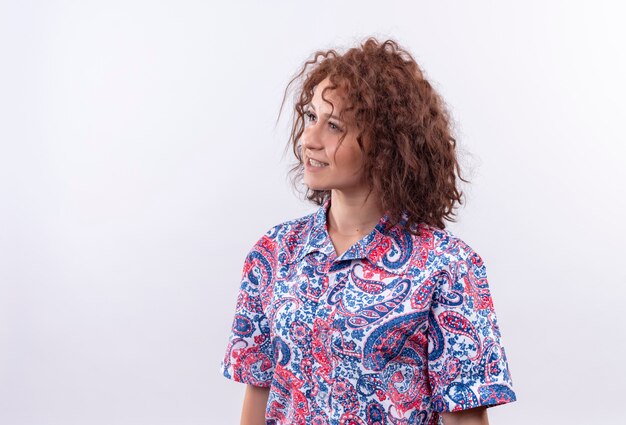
(317, 164)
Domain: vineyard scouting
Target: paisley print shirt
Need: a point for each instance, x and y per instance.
(397, 329)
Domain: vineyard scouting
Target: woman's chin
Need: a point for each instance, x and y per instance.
(314, 186)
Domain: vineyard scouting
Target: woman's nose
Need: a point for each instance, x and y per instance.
(311, 138)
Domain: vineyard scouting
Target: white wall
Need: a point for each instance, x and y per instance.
(139, 161)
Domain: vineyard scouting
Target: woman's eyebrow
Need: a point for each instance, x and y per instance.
(326, 115)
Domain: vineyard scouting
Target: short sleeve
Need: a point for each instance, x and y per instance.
(467, 364)
(248, 357)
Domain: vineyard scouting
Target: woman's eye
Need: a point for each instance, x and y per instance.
(308, 116)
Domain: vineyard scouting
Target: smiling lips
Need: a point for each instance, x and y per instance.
(316, 163)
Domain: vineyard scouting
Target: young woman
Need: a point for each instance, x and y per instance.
(368, 311)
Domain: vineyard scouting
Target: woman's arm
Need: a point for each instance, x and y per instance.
(475, 416)
(254, 403)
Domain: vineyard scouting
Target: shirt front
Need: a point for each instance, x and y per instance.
(395, 330)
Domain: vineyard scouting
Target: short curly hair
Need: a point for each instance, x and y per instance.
(404, 130)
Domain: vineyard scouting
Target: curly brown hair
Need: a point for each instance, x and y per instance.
(404, 130)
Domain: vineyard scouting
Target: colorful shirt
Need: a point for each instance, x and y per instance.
(395, 330)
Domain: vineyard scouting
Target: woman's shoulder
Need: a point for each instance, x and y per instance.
(288, 228)
(286, 236)
(446, 245)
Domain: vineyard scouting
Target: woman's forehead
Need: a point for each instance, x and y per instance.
(334, 95)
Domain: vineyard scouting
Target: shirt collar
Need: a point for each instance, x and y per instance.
(317, 238)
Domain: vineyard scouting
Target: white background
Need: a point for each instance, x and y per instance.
(139, 162)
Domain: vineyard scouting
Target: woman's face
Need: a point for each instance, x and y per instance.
(320, 141)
